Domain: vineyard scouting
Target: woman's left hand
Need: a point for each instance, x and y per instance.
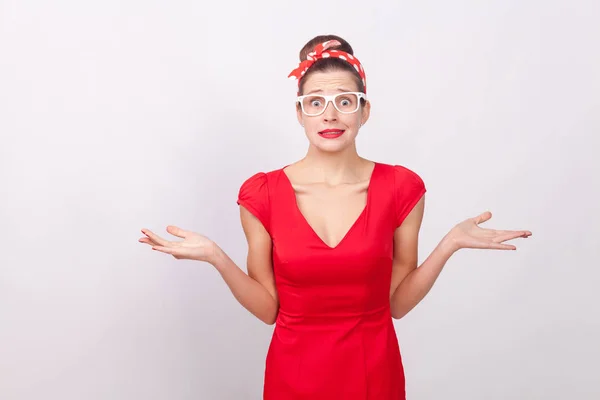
(468, 235)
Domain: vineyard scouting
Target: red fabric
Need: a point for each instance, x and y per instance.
(321, 51)
(254, 195)
(334, 337)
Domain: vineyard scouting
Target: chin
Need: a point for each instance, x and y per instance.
(331, 147)
(324, 149)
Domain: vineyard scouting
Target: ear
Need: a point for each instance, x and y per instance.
(299, 114)
(366, 112)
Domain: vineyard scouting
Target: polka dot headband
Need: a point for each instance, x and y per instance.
(321, 51)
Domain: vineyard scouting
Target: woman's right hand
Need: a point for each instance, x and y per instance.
(193, 246)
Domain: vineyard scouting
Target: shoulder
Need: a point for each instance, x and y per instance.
(405, 175)
(254, 195)
(254, 181)
(401, 175)
(406, 189)
(257, 182)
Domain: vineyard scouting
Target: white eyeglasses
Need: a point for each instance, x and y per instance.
(315, 104)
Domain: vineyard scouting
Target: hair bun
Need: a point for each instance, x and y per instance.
(311, 44)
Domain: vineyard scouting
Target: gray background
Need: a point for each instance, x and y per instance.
(118, 115)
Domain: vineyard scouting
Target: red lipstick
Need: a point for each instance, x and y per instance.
(331, 133)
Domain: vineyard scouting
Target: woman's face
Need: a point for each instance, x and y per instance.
(332, 131)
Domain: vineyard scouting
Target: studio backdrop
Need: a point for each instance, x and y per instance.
(122, 115)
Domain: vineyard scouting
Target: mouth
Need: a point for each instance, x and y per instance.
(331, 133)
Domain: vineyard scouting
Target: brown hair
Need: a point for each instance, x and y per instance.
(330, 63)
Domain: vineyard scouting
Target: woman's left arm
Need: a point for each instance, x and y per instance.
(411, 284)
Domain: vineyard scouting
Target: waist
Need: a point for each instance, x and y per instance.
(333, 318)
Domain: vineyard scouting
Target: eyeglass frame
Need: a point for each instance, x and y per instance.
(329, 99)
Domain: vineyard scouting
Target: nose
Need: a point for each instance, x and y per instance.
(330, 113)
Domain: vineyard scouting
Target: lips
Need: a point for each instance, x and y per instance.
(331, 133)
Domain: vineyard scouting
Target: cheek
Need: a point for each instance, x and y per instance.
(352, 120)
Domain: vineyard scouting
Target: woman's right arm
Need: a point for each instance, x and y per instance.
(256, 290)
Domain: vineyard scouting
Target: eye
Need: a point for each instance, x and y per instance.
(315, 103)
(346, 101)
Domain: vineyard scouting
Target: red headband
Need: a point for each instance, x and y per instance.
(319, 52)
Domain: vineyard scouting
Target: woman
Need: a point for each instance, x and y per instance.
(332, 240)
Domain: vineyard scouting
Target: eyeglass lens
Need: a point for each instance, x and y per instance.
(344, 102)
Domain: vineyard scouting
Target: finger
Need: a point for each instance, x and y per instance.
(176, 231)
(483, 217)
(487, 233)
(500, 246)
(147, 241)
(522, 233)
(166, 250)
(508, 236)
(155, 238)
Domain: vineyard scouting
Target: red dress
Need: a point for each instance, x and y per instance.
(334, 337)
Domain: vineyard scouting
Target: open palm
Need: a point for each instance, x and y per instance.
(468, 234)
(194, 246)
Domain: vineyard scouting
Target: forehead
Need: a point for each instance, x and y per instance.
(330, 81)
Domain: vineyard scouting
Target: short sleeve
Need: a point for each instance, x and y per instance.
(254, 196)
(408, 190)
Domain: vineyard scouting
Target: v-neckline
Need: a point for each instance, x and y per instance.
(310, 228)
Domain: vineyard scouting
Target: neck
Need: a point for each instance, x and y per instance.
(334, 167)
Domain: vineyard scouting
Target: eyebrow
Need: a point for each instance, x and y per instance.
(341, 90)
